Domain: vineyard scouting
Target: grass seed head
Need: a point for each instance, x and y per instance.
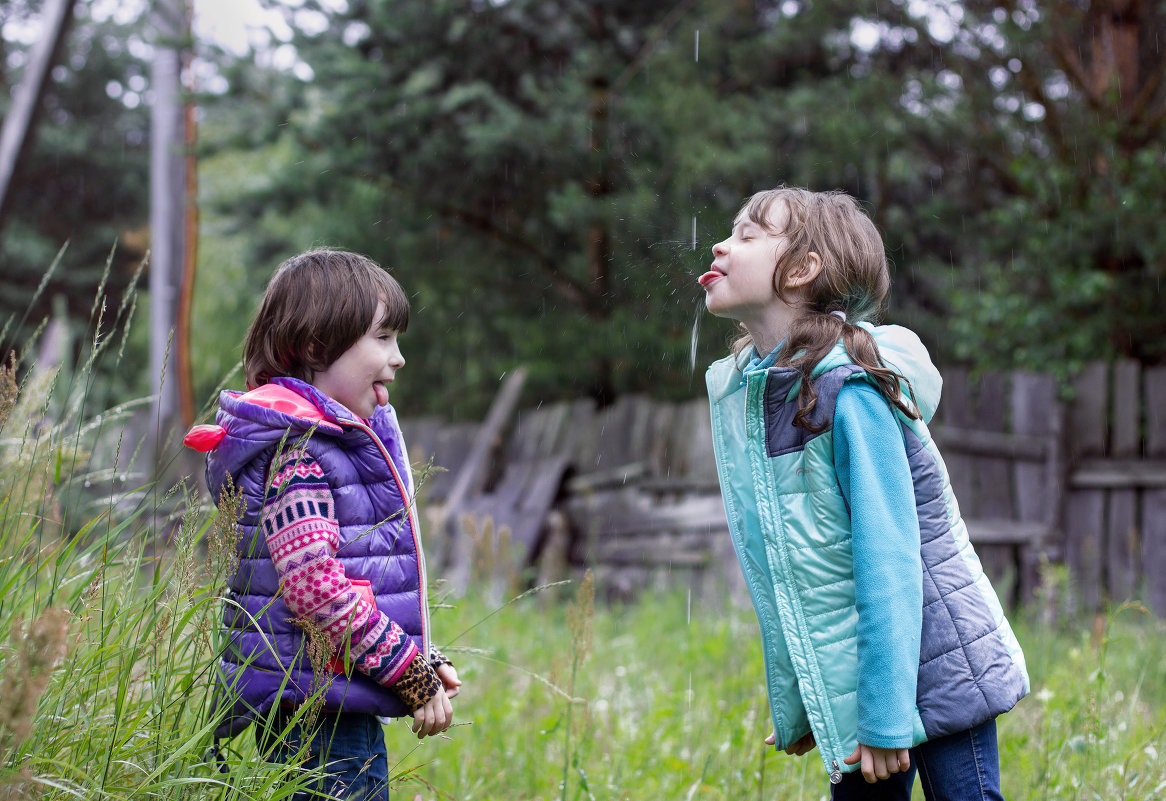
(9, 391)
(581, 615)
(224, 537)
(36, 649)
(320, 653)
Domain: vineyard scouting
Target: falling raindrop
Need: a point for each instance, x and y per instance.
(696, 48)
(696, 320)
(695, 336)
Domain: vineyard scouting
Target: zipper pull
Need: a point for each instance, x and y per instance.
(835, 775)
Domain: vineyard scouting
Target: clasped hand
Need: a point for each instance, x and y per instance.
(877, 763)
(437, 714)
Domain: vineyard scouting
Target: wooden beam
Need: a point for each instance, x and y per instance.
(1004, 532)
(991, 443)
(1119, 474)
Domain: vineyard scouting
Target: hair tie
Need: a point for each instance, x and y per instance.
(841, 315)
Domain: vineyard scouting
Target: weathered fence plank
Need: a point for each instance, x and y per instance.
(471, 475)
(1088, 414)
(955, 411)
(994, 499)
(1087, 435)
(1039, 485)
(1154, 500)
(1121, 533)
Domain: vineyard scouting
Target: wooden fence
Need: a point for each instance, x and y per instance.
(631, 491)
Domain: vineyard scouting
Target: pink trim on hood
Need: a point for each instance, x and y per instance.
(288, 401)
(205, 438)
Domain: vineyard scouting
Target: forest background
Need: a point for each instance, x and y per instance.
(546, 177)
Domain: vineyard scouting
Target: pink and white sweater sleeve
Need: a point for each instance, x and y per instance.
(303, 536)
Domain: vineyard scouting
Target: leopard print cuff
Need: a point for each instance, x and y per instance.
(417, 685)
(437, 658)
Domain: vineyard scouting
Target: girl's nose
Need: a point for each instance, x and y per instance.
(720, 248)
(396, 360)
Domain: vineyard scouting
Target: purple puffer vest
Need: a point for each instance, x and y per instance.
(265, 660)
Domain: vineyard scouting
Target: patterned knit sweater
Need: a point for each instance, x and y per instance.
(303, 536)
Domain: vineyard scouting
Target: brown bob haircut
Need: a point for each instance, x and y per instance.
(317, 305)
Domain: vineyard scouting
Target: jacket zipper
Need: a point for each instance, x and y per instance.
(734, 532)
(409, 510)
(824, 708)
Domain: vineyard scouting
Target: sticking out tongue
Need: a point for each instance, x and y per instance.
(382, 393)
(708, 278)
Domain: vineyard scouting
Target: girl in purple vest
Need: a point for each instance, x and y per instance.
(329, 598)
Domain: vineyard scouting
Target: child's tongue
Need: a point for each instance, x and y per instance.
(382, 393)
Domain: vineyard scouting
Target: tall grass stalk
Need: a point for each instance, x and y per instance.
(580, 617)
(109, 602)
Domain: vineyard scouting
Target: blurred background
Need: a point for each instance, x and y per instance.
(546, 177)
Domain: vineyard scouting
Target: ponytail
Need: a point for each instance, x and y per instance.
(813, 336)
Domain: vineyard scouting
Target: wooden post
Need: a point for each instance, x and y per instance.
(1035, 412)
(956, 411)
(167, 205)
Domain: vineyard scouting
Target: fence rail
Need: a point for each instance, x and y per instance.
(1040, 474)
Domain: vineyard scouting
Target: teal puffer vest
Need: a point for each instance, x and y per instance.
(791, 529)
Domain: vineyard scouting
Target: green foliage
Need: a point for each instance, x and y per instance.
(1093, 726)
(533, 173)
(85, 179)
(1043, 151)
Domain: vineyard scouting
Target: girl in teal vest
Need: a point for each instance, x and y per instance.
(885, 645)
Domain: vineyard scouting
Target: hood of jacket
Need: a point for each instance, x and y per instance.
(248, 423)
(899, 347)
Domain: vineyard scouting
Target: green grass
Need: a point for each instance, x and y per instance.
(109, 602)
(108, 651)
(672, 705)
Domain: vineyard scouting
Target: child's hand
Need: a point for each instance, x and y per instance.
(434, 717)
(802, 746)
(449, 679)
(879, 763)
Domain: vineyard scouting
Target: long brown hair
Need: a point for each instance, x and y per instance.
(854, 281)
(317, 305)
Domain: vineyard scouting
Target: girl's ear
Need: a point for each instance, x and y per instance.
(805, 272)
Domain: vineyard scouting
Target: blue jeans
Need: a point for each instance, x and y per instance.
(350, 745)
(960, 767)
